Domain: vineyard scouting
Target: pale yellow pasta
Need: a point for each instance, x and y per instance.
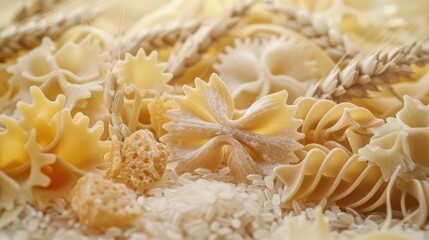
(143, 72)
(75, 70)
(335, 175)
(11, 199)
(402, 141)
(256, 68)
(140, 162)
(415, 201)
(101, 203)
(207, 130)
(158, 114)
(342, 125)
(44, 148)
(142, 78)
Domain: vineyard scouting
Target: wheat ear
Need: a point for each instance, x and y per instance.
(198, 43)
(370, 72)
(29, 34)
(114, 100)
(156, 37)
(316, 28)
(34, 8)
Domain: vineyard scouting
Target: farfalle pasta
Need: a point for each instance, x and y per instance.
(43, 150)
(256, 68)
(335, 125)
(206, 131)
(335, 175)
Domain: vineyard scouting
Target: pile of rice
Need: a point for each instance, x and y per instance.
(207, 205)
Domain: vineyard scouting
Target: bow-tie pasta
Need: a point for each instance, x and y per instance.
(207, 131)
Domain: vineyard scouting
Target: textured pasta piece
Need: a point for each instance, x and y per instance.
(74, 70)
(101, 203)
(207, 130)
(336, 176)
(329, 123)
(402, 141)
(158, 114)
(255, 68)
(141, 160)
(144, 73)
(49, 145)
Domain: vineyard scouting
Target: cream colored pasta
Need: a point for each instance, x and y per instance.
(402, 141)
(206, 130)
(256, 68)
(331, 124)
(335, 175)
(47, 139)
(74, 70)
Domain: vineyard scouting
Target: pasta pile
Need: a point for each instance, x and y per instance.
(299, 90)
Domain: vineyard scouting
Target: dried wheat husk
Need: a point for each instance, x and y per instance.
(198, 43)
(29, 34)
(35, 8)
(315, 27)
(363, 74)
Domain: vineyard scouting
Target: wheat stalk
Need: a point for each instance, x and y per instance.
(156, 37)
(34, 8)
(198, 43)
(114, 100)
(30, 33)
(316, 28)
(370, 72)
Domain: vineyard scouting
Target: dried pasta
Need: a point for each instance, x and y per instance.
(335, 175)
(74, 70)
(207, 130)
(47, 138)
(342, 125)
(140, 162)
(256, 68)
(402, 141)
(101, 203)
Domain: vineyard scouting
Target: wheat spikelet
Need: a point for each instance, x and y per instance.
(316, 28)
(29, 34)
(198, 43)
(370, 72)
(114, 100)
(34, 8)
(156, 37)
